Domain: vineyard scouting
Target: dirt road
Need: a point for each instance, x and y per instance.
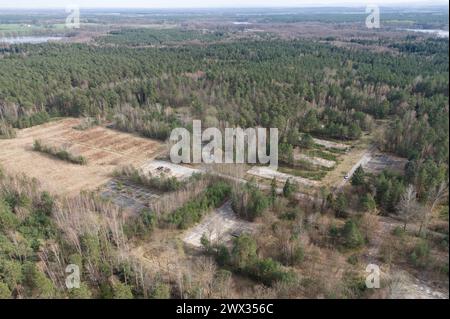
(366, 157)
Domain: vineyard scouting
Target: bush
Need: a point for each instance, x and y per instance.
(398, 231)
(243, 259)
(355, 285)
(142, 225)
(358, 177)
(6, 130)
(420, 254)
(162, 182)
(121, 291)
(295, 257)
(249, 202)
(267, 271)
(353, 259)
(340, 205)
(223, 256)
(8, 220)
(40, 285)
(11, 273)
(83, 292)
(32, 120)
(289, 188)
(62, 154)
(5, 293)
(307, 141)
(193, 211)
(161, 291)
(367, 202)
(352, 236)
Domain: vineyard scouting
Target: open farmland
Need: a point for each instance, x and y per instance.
(104, 149)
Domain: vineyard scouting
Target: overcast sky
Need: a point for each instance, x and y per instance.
(201, 3)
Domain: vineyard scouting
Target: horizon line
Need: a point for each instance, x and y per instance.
(348, 5)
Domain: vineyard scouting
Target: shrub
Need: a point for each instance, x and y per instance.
(243, 254)
(8, 220)
(162, 182)
(267, 271)
(351, 235)
(192, 212)
(223, 256)
(367, 202)
(6, 130)
(40, 285)
(62, 154)
(5, 293)
(161, 291)
(398, 231)
(353, 259)
(87, 123)
(141, 225)
(340, 205)
(307, 141)
(122, 291)
(83, 292)
(249, 202)
(420, 254)
(298, 255)
(358, 177)
(289, 188)
(32, 120)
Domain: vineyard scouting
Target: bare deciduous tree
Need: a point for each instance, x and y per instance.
(408, 207)
(435, 198)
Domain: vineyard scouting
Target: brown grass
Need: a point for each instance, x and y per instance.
(94, 144)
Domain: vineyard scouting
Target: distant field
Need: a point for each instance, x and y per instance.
(103, 148)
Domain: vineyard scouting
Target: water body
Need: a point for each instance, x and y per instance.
(29, 39)
(438, 33)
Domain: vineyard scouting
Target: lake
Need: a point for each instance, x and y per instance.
(29, 39)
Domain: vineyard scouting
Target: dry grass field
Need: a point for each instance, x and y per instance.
(104, 149)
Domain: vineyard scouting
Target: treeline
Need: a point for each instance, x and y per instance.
(60, 153)
(148, 36)
(247, 83)
(40, 236)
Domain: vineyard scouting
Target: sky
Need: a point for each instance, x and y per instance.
(201, 3)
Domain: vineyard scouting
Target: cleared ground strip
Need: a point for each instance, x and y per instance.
(330, 144)
(221, 225)
(266, 172)
(168, 169)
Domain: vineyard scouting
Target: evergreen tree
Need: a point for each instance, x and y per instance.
(358, 177)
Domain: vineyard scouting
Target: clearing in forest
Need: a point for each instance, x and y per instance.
(104, 149)
(221, 225)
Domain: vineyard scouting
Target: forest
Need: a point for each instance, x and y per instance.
(148, 81)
